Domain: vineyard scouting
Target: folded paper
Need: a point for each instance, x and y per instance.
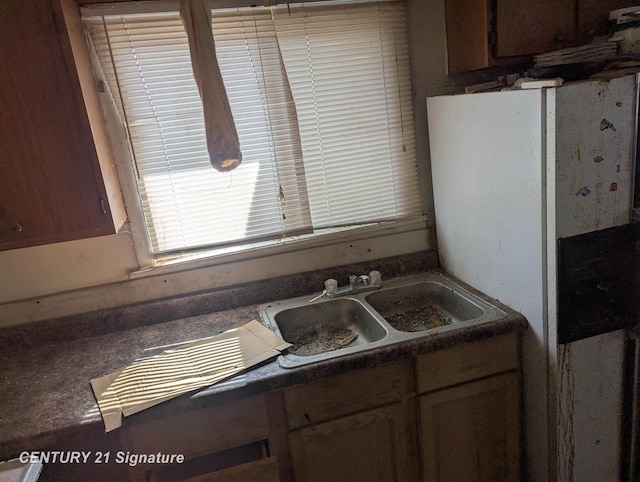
(150, 381)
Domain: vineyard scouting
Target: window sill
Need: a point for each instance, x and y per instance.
(332, 239)
(216, 273)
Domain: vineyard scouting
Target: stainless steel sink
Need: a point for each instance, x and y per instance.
(323, 329)
(423, 306)
(402, 309)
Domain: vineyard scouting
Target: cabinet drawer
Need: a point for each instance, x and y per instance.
(466, 362)
(263, 470)
(344, 394)
(202, 431)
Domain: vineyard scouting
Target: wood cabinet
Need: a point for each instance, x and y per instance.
(51, 181)
(234, 441)
(525, 27)
(448, 415)
(470, 430)
(344, 394)
(590, 14)
(356, 426)
(485, 33)
(370, 445)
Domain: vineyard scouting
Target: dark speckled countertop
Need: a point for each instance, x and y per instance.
(46, 397)
(46, 388)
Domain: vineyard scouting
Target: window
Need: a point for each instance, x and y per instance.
(321, 98)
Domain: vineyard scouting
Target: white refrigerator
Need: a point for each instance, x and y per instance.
(513, 172)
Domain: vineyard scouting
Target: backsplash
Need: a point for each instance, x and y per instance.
(158, 311)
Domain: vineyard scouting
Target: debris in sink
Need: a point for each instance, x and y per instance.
(420, 318)
(314, 342)
(346, 341)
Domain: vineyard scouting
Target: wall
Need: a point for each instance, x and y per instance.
(74, 277)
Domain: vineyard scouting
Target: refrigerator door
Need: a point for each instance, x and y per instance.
(595, 137)
(595, 125)
(512, 173)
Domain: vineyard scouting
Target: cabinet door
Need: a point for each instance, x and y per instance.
(593, 17)
(467, 35)
(525, 27)
(369, 446)
(50, 184)
(471, 432)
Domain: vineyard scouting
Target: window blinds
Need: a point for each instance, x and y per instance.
(349, 72)
(322, 103)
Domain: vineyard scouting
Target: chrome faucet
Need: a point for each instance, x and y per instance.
(364, 282)
(359, 281)
(357, 284)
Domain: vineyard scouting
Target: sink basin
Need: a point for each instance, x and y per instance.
(403, 309)
(323, 329)
(328, 326)
(423, 306)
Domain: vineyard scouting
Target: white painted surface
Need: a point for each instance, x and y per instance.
(44, 270)
(597, 399)
(487, 162)
(190, 279)
(551, 300)
(506, 169)
(591, 158)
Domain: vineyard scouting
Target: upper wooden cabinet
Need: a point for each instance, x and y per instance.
(525, 27)
(483, 33)
(592, 17)
(51, 179)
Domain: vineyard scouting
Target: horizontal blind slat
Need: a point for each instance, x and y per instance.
(321, 98)
(350, 82)
(181, 194)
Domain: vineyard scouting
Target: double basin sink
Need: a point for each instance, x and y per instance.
(402, 309)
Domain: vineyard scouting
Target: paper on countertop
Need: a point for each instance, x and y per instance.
(153, 380)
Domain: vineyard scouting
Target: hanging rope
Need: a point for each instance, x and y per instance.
(222, 136)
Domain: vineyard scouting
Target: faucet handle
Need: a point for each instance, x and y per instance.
(331, 286)
(375, 277)
(353, 281)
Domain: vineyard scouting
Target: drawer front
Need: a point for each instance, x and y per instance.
(467, 362)
(263, 470)
(345, 394)
(202, 431)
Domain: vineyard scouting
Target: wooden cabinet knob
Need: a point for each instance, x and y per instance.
(17, 228)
